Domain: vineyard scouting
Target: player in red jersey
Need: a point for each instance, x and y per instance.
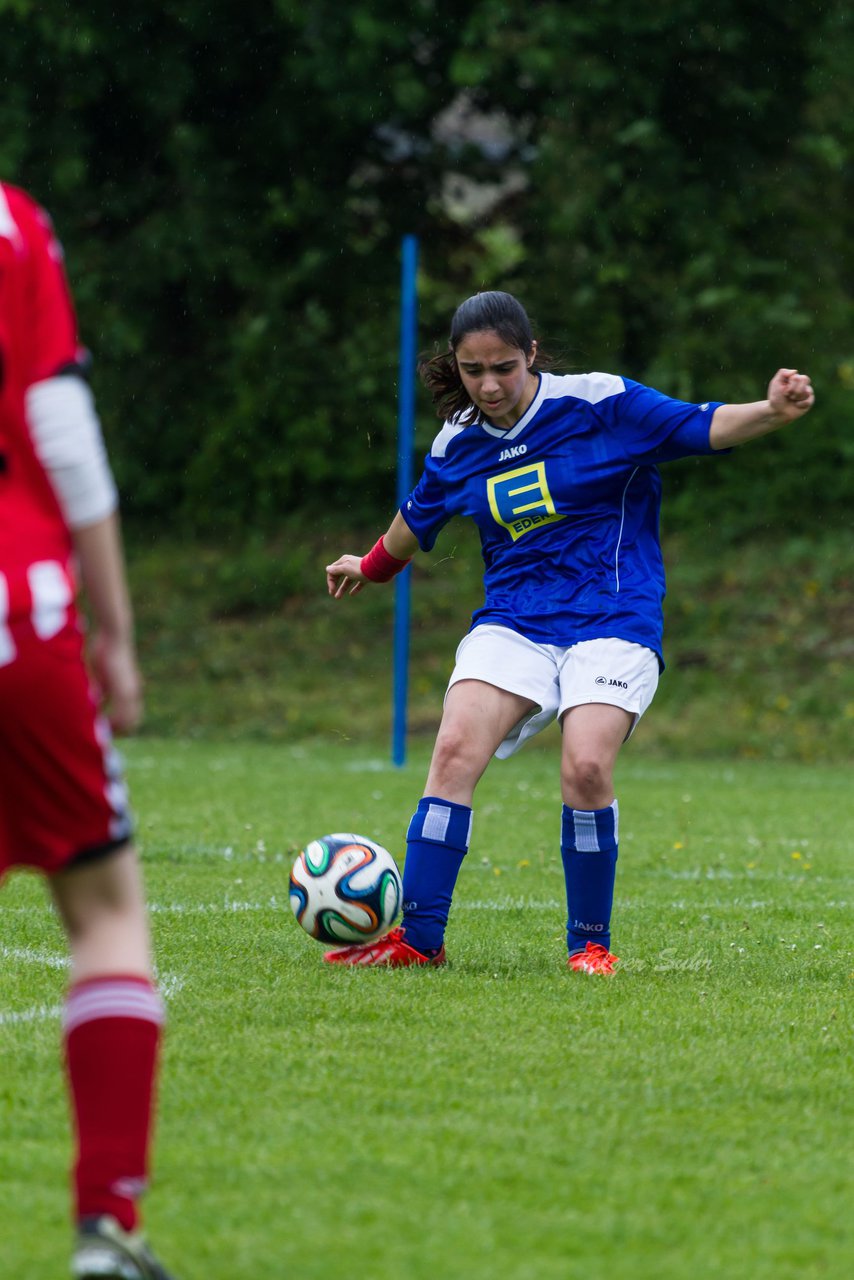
(63, 805)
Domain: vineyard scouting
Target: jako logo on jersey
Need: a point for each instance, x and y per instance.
(615, 684)
(520, 500)
(516, 452)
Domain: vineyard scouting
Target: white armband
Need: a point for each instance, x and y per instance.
(66, 435)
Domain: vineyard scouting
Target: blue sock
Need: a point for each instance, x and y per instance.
(436, 843)
(588, 847)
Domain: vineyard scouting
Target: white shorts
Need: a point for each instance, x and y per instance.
(617, 672)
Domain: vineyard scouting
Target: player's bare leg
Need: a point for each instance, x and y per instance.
(112, 1027)
(477, 718)
(592, 736)
(102, 909)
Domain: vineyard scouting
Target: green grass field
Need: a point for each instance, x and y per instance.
(501, 1119)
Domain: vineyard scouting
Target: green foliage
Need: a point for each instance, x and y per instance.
(668, 188)
(498, 1118)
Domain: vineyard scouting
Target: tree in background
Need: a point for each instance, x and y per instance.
(669, 191)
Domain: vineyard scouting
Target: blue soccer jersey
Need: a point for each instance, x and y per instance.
(567, 504)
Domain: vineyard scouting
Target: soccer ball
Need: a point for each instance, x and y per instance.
(345, 888)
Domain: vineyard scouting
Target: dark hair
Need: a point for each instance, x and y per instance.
(492, 310)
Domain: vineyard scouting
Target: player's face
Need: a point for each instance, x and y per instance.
(496, 376)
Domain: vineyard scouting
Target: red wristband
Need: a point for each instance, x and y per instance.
(379, 566)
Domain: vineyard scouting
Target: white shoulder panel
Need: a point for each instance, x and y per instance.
(591, 387)
(439, 447)
(8, 225)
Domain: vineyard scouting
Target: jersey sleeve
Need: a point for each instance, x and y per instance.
(425, 510)
(53, 342)
(655, 428)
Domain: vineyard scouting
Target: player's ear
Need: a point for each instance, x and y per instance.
(532, 355)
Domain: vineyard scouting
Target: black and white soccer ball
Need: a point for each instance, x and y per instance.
(345, 888)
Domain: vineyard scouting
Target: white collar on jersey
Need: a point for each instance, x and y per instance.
(510, 433)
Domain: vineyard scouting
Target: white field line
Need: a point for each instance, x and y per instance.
(169, 984)
(232, 906)
(38, 1013)
(32, 956)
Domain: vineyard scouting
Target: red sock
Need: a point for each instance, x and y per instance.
(112, 1028)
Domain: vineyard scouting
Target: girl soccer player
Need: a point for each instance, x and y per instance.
(560, 475)
(63, 805)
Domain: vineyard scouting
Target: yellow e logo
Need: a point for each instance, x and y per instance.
(520, 500)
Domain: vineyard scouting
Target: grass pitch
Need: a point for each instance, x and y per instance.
(501, 1119)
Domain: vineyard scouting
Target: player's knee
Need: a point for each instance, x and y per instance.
(586, 781)
(453, 760)
(106, 940)
(92, 918)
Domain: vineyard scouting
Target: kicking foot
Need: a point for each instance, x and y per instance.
(392, 950)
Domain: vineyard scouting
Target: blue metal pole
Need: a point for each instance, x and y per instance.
(405, 448)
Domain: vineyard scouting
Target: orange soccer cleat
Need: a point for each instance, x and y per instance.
(392, 950)
(593, 959)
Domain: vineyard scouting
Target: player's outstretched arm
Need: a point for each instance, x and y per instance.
(790, 396)
(391, 553)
